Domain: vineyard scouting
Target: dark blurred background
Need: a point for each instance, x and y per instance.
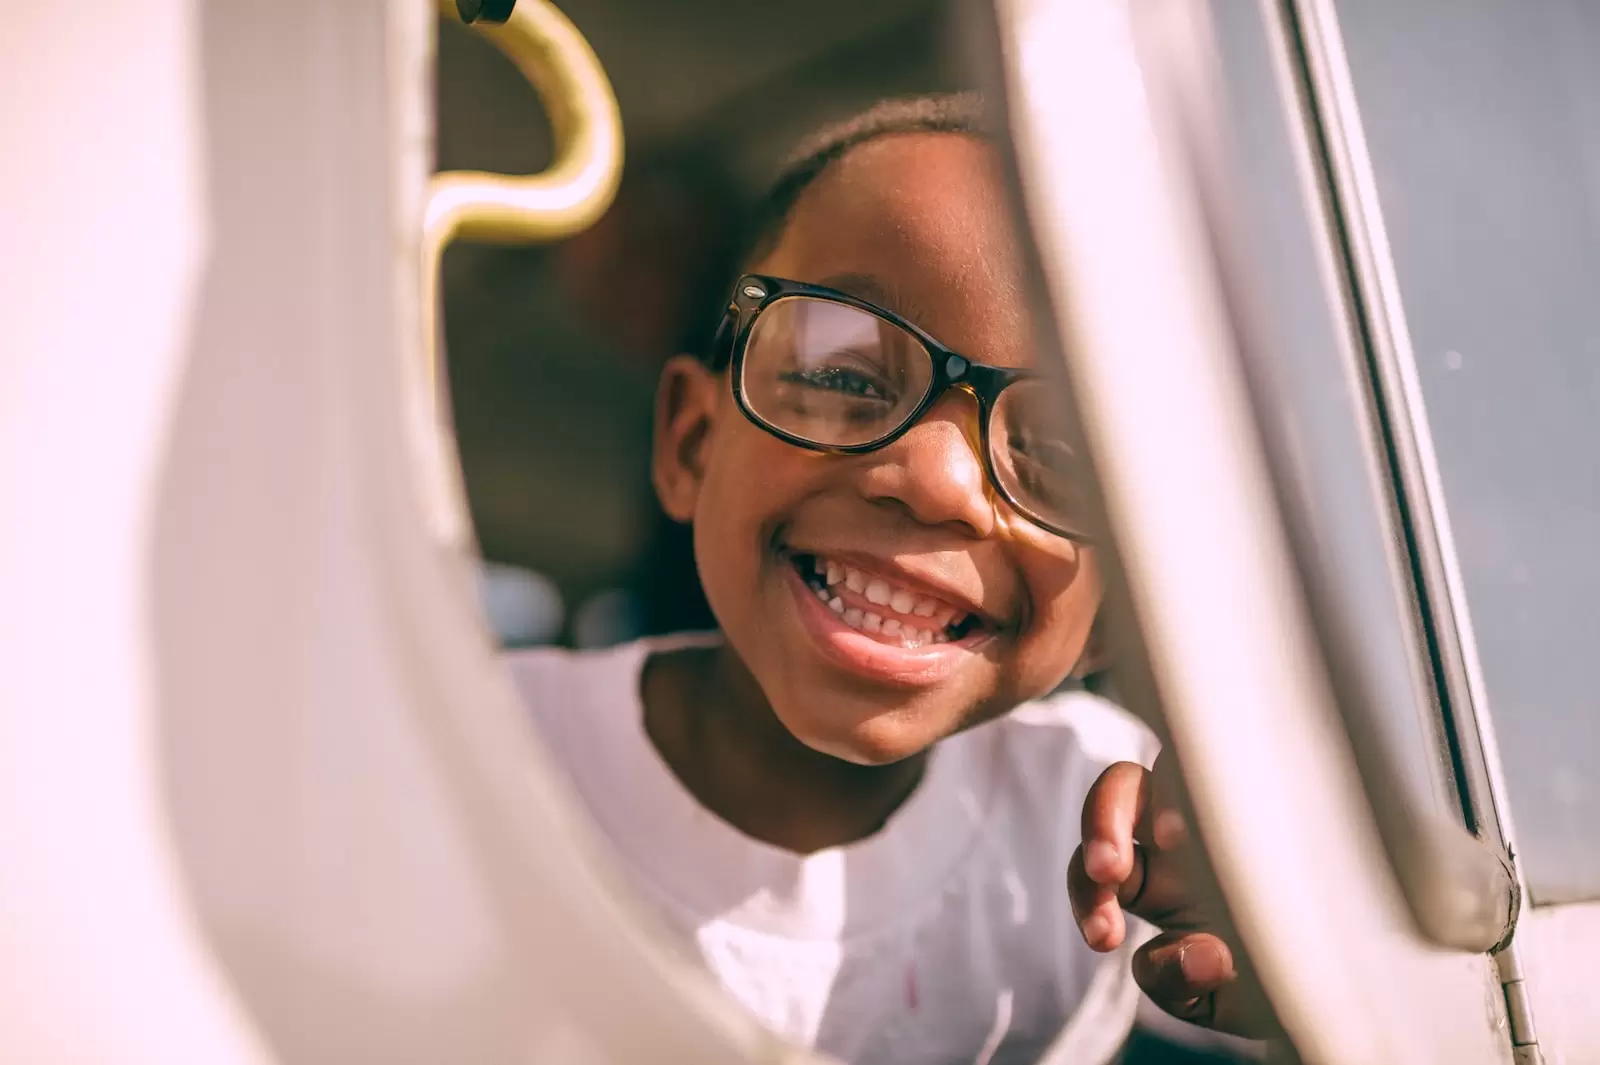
(553, 352)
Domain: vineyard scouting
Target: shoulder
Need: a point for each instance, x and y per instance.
(1082, 723)
(544, 671)
(569, 692)
(1049, 751)
(579, 701)
(586, 709)
(536, 670)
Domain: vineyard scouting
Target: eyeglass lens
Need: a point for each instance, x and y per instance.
(839, 376)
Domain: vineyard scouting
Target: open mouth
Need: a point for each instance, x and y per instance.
(878, 607)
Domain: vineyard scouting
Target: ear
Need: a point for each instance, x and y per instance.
(686, 405)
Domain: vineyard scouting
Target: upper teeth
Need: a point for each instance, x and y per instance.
(898, 601)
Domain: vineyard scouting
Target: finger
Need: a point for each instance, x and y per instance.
(1161, 839)
(1112, 809)
(1180, 972)
(1095, 907)
(1167, 897)
(1158, 891)
(1167, 828)
(1186, 974)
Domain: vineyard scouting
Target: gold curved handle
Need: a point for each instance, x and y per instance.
(567, 197)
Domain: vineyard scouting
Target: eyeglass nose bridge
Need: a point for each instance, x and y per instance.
(956, 372)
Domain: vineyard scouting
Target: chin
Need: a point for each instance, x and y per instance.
(874, 742)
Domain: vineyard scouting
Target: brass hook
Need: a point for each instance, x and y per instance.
(567, 197)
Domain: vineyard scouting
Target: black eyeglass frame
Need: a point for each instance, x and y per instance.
(754, 293)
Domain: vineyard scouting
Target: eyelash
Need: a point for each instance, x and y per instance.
(829, 378)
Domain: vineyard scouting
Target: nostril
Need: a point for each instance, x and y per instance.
(934, 474)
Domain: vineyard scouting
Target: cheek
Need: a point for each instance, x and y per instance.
(752, 483)
(1065, 589)
(752, 477)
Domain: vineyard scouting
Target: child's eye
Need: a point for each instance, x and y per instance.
(1049, 453)
(841, 379)
(1043, 463)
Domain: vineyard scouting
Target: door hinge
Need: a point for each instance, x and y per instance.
(1519, 1010)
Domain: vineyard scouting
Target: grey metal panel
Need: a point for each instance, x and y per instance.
(1483, 122)
(1323, 401)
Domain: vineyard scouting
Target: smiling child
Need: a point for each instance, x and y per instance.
(859, 803)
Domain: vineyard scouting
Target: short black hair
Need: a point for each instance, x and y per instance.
(961, 112)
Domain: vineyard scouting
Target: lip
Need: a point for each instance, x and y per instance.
(858, 653)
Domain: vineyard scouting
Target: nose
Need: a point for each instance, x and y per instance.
(934, 471)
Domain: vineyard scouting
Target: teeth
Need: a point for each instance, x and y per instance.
(880, 593)
(909, 636)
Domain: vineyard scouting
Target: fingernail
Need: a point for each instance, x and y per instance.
(1096, 929)
(1204, 964)
(1100, 861)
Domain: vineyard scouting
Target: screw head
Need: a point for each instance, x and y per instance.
(755, 292)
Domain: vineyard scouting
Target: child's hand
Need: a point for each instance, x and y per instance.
(1132, 858)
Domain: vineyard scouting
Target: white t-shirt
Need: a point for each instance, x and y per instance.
(947, 936)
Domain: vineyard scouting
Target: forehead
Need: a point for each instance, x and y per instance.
(921, 224)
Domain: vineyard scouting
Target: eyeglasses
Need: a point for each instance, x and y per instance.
(826, 371)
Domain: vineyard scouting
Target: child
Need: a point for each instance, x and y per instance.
(856, 802)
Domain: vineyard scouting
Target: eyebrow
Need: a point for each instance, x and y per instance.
(875, 290)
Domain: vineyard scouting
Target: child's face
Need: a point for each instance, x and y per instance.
(917, 223)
